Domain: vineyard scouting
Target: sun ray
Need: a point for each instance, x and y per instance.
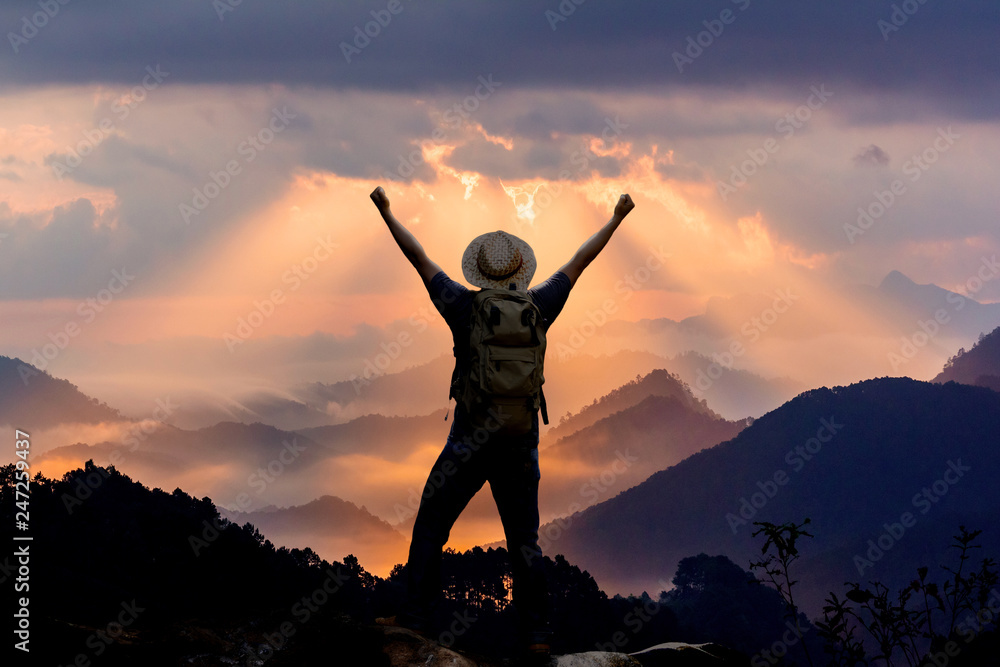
(525, 209)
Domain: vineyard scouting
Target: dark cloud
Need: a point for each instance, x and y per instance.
(942, 51)
(46, 252)
(681, 172)
(871, 156)
(569, 158)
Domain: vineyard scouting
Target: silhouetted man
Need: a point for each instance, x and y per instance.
(475, 454)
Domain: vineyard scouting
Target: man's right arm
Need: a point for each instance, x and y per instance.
(593, 246)
(407, 242)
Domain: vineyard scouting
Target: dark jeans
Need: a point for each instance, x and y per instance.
(459, 472)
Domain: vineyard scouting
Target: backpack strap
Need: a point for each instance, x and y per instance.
(545, 412)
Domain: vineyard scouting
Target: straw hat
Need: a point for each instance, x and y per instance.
(497, 259)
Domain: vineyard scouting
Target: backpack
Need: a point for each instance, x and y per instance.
(501, 386)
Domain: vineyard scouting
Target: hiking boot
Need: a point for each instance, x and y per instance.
(540, 650)
(538, 647)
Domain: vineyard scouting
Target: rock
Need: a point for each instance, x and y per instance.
(406, 648)
(595, 659)
(679, 654)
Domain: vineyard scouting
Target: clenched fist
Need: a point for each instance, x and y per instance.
(624, 205)
(380, 198)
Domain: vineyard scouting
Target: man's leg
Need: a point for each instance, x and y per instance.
(514, 479)
(454, 479)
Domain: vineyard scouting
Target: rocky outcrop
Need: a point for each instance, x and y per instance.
(405, 648)
(679, 654)
(595, 659)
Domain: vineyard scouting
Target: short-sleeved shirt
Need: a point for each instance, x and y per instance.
(454, 302)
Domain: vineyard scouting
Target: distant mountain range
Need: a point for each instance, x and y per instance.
(902, 303)
(896, 305)
(417, 390)
(892, 309)
(569, 388)
(856, 325)
(261, 463)
(856, 460)
(623, 438)
(331, 527)
(732, 392)
(251, 467)
(30, 398)
(616, 442)
(657, 383)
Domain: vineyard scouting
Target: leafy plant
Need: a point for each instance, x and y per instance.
(777, 566)
(915, 623)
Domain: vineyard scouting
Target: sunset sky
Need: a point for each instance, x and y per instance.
(184, 186)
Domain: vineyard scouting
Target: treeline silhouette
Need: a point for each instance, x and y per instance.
(128, 575)
(125, 574)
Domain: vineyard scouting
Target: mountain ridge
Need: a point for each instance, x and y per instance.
(31, 398)
(979, 366)
(690, 505)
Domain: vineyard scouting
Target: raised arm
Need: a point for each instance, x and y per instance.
(406, 241)
(595, 244)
